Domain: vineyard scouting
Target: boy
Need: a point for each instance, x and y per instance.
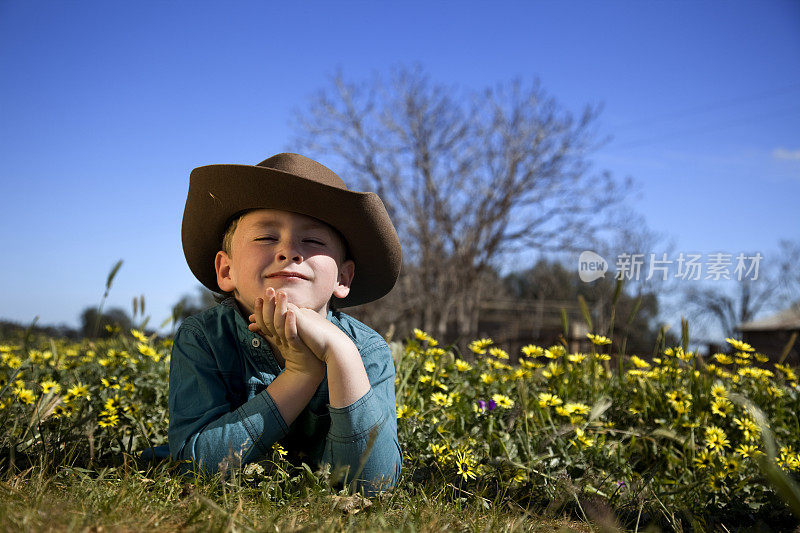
(274, 363)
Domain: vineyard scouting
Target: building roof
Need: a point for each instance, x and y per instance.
(788, 319)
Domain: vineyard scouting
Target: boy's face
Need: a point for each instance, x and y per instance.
(287, 251)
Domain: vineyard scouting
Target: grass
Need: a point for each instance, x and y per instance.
(127, 499)
(538, 441)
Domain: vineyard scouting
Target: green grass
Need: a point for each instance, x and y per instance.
(126, 499)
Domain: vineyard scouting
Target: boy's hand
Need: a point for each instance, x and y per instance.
(320, 335)
(278, 323)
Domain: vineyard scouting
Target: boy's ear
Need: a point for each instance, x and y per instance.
(222, 264)
(346, 272)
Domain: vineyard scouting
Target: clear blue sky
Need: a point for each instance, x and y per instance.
(107, 106)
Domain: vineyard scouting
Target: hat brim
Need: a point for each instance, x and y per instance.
(219, 192)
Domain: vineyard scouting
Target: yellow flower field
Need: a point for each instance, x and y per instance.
(539, 428)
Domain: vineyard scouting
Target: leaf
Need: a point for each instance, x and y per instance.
(350, 504)
(600, 406)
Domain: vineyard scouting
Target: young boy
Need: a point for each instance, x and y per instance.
(274, 362)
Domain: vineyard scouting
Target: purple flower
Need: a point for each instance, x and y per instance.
(491, 405)
(481, 405)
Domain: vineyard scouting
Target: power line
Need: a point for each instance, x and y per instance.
(711, 127)
(691, 111)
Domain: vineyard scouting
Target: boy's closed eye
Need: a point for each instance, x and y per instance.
(311, 240)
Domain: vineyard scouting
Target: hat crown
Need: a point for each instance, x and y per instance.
(304, 167)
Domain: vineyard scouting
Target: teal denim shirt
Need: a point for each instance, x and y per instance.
(219, 405)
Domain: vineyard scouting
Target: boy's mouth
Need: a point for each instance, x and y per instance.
(286, 274)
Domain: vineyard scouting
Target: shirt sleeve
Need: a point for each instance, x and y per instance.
(204, 426)
(363, 435)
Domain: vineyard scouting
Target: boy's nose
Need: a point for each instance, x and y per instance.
(288, 250)
(296, 257)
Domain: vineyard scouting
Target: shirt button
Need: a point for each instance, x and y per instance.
(256, 343)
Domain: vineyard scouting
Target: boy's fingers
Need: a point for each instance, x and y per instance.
(291, 329)
(268, 313)
(259, 317)
(279, 316)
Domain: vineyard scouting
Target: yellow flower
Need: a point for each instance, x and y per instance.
(23, 395)
(463, 366)
(716, 439)
(444, 400)
(79, 391)
(750, 430)
(138, 335)
(598, 340)
(479, 346)
(13, 361)
(722, 407)
(680, 401)
(50, 386)
(112, 404)
(760, 357)
(788, 372)
(465, 465)
(522, 373)
(683, 356)
(503, 401)
(739, 345)
(602, 357)
(108, 420)
(279, 450)
(421, 335)
(583, 441)
(549, 400)
(109, 384)
(577, 408)
(718, 391)
(703, 460)
(774, 391)
(717, 482)
(747, 450)
(639, 362)
(487, 378)
(576, 357)
(442, 451)
(554, 352)
(434, 352)
(498, 352)
(552, 370)
(530, 364)
(149, 351)
(532, 351)
(681, 407)
(404, 411)
(722, 359)
(429, 366)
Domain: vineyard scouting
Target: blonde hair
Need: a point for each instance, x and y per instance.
(227, 237)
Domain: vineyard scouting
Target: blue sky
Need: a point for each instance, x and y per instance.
(107, 106)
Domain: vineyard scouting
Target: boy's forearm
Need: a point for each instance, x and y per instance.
(291, 392)
(347, 378)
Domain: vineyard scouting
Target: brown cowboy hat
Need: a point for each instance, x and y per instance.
(291, 182)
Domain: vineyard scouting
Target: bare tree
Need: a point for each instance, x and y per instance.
(777, 285)
(469, 180)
